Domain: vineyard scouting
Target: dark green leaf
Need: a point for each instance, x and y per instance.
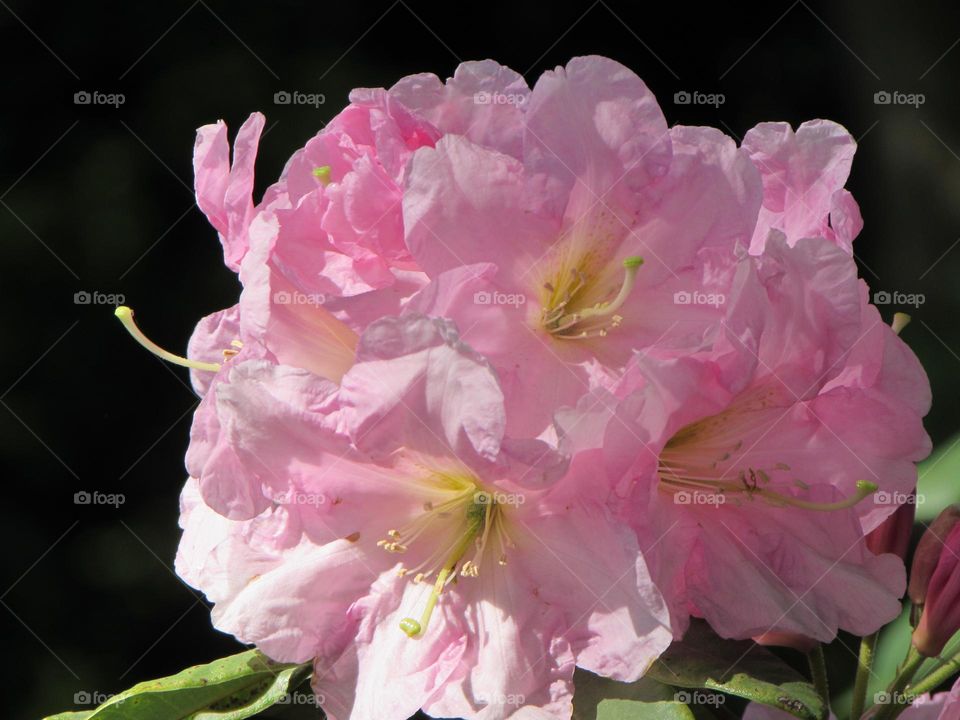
(742, 668)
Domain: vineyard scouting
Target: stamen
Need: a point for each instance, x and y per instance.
(471, 568)
(322, 174)
(900, 321)
(125, 315)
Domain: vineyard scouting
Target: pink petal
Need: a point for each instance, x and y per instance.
(464, 204)
(224, 194)
(591, 568)
(293, 325)
(527, 363)
(755, 569)
(710, 197)
(483, 101)
(595, 121)
(802, 172)
(416, 383)
(385, 675)
(212, 335)
(225, 482)
(288, 596)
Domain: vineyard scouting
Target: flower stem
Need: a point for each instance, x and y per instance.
(864, 669)
(896, 692)
(932, 681)
(818, 672)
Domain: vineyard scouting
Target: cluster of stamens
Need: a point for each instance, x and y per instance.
(562, 317)
(474, 518)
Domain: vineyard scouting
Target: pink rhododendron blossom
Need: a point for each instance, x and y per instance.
(434, 562)
(758, 463)
(579, 233)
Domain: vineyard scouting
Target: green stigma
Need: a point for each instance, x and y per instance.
(411, 627)
(322, 174)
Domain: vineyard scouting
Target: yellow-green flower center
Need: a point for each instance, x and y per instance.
(464, 517)
(571, 308)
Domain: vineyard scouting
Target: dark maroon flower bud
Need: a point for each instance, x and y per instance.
(940, 618)
(893, 534)
(928, 553)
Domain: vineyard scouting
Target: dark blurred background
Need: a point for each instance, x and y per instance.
(97, 199)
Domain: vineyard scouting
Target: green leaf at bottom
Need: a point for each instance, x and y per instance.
(737, 667)
(230, 688)
(633, 710)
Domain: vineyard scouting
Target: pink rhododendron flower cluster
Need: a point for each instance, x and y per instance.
(520, 380)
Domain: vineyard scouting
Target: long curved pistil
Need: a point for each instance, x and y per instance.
(125, 315)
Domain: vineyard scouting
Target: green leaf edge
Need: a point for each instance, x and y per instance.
(238, 673)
